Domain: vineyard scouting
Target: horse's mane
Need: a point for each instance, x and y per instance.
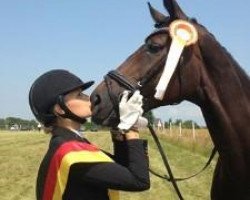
(215, 54)
(243, 76)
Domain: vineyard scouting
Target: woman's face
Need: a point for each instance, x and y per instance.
(78, 103)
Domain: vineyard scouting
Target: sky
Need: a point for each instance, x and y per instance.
(91, 37)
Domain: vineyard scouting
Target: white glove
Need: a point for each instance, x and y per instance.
(130, 110)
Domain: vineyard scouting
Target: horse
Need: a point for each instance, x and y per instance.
(206, 75)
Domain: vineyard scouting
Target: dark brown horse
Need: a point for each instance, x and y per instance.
(206, 75)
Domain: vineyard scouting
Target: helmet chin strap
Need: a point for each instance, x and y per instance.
(68, 114)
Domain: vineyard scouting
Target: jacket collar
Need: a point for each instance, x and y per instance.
(67, 134)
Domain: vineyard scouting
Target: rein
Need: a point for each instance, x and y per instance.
(122, 80)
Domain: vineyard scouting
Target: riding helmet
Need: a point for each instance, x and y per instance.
(46, 89)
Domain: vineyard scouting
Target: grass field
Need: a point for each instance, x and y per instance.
(21, 153)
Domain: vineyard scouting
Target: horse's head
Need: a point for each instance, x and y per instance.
(145, 66)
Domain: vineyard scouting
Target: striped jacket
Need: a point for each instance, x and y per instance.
(74, 169)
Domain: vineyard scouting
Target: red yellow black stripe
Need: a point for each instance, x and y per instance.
(67, 154)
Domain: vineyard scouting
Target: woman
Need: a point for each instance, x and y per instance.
(73, 168)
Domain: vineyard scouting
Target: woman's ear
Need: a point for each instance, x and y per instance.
(57, 110)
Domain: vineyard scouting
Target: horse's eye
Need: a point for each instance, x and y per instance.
(153, 47)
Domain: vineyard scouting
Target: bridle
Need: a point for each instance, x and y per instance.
(119, 78)
(123, 81)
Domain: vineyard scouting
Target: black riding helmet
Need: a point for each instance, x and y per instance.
(49, 89)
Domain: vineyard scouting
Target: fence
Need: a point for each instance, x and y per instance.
(178, 131)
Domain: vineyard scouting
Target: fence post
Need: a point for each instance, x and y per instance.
(180, 134)
(193, 130)
(170, 128)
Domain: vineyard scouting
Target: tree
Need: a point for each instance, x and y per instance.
(87, 125)
(167, 123)
(21, 123)
(149, 116)
(177, 122)
(33, 124)
(2, 124)
(185, 124)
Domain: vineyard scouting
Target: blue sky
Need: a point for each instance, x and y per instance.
(91, 37)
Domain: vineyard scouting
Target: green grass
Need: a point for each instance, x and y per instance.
(22, 152)
(20, 155)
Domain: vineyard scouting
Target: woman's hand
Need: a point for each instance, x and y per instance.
(130, 117)
(130, 110)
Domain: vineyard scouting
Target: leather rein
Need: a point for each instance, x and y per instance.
(123, 81)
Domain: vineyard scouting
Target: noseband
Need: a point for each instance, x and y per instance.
(119, 78)
(122, 81)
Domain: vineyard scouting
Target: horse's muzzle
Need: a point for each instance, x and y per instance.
(102, 108)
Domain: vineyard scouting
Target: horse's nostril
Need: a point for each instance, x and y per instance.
(97, 99)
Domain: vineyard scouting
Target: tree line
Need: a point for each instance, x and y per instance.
(23, 124)
(188, 124)
(17, 123)
(184, 123)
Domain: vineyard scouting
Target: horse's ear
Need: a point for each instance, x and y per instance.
(174, 10)
(159, 18)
